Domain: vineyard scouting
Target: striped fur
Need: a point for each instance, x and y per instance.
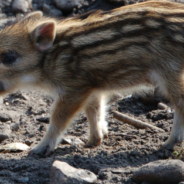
(88, 56)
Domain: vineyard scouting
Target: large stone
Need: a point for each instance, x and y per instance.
(5, 132)
(61, 172)
(161, 171)
(67, 5)
(20, 6)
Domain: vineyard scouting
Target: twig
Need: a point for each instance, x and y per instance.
(136, 123)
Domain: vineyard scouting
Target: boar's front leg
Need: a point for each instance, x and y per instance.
(64, 110)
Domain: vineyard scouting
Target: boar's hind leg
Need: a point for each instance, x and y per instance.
(177, 132)
(95, 111)
(176, 95)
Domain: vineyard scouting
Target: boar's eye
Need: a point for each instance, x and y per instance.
(8, 58)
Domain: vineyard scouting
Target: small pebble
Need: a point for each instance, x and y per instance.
(162, 106)
(28, 142)
(15, 127)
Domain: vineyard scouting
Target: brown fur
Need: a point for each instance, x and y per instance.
(84, 58)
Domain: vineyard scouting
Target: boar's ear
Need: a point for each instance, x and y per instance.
(43, 35)
(33, 15)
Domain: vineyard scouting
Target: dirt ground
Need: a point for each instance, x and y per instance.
(114, 161)
(126, 149)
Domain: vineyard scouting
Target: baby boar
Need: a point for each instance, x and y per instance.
(83, 59)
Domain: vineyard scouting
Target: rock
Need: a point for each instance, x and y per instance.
(142, 131)
(23, 180)
(19, 95)
(72, 140)
(15, 127)
(5, 132)
(67, 5)
(61, 172)
(46, 8)
(43, 119)
(8, 122)
(50, 10)
(15, 146)
(104, 174)
(162, 106)
(161, 171)
(117, 170)
(5, 117)
(20, 6)
(35, 6)
(42, 128)
(28, 142)
(55, 12)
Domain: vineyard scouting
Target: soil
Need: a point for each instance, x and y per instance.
(114, 161)
(126, 149)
